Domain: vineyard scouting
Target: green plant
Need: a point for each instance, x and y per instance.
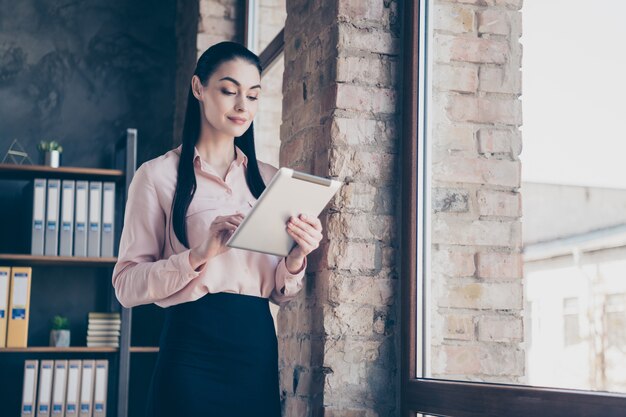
(60, 323)
(46, 146)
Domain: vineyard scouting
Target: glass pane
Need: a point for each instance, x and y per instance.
(269, 114)
(271, 18)
(527, 272)
(574, 196)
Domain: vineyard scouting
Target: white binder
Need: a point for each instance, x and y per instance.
(95, 216)
(86, 389)
(58, 387)
(80, 218)
(66, 234)
(73, 388)
(45, 388)
(108, 218)
(4, 303)
(39, 211)
(52, 218)
(29, 388)
(100, 389)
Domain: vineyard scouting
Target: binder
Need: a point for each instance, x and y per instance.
(86, 389)
(72, 399)
(100, 388)
(108, 216)
(39, 211)
(19, 306)
(80, 218)
(29, 388)
(5, 272)
(66, 234)
(59, 386)
(45, 388)
(53, 201)
(95, 211)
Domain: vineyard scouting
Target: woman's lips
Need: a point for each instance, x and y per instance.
(237, 121)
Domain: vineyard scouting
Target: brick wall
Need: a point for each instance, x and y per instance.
(477, 291)
(217, 23)
(340, 119)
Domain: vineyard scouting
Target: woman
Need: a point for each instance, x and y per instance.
(218, 349)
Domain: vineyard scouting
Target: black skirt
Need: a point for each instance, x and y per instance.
(218, 357)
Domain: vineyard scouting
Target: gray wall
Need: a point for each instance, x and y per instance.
(81, 72)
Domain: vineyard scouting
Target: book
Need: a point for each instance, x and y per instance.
(97, 315)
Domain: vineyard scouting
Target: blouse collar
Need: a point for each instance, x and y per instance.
(240, 159)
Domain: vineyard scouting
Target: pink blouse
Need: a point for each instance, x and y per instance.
(153, 266)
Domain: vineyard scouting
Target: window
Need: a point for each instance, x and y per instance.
(615, 325)
(571, 328)
(469, 304)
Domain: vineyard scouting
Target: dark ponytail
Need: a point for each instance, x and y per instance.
(186, 184)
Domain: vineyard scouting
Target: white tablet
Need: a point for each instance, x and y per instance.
(289, 193)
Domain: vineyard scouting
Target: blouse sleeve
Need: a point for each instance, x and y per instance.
(288, 285)
(140, 275)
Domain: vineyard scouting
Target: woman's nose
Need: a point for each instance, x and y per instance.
(241, 104)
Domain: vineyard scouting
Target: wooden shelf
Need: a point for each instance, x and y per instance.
(27, 260)
(29, 172)
(71, 349)
(143, 349)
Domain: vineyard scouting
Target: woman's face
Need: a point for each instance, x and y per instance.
(229, 100)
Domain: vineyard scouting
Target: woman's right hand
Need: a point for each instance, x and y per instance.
(220, 231)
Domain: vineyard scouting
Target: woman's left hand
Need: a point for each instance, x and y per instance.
(307, 233)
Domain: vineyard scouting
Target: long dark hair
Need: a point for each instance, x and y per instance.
(186, 184)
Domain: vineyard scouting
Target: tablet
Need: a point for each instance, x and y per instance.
(289, 193)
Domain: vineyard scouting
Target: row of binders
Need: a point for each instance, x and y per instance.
(14, 306)
(74, 388)
(72, 218)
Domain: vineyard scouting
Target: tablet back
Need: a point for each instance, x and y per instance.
(290, 193)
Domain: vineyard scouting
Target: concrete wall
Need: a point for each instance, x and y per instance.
(82, 72)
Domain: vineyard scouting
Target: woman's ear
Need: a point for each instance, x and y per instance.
(196, 87)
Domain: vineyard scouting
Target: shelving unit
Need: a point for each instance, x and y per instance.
(92, 275)
(29, 172)
(51, 349)
(25, 260)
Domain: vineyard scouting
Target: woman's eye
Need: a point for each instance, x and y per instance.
(253, 98)
(228, 93)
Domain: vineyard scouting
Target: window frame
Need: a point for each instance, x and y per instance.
(270, 55)
(442, 397)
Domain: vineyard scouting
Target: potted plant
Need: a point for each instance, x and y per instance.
(60, 333)
(50, 153)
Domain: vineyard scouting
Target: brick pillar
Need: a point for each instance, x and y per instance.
(338, 338)
(476, 232)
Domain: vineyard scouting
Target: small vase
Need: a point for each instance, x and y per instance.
(60, 338)
(52, 159)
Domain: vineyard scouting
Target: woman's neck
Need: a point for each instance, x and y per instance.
(217, 150)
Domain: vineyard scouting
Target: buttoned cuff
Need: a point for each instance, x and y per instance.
(184, 264)
(292, 283)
